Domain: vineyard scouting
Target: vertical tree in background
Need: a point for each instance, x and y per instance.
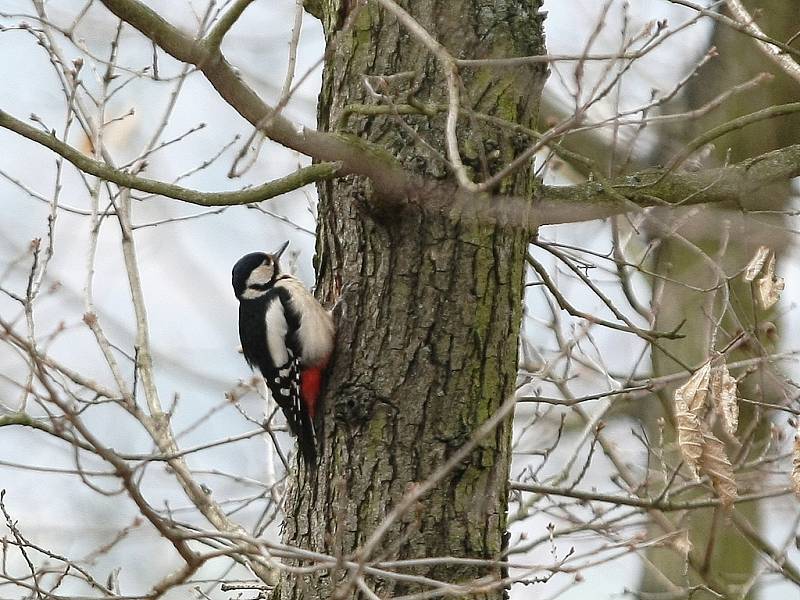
(733, 236)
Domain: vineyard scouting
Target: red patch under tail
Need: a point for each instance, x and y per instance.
(310, 387)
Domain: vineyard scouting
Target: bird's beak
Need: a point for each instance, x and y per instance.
(279, 251)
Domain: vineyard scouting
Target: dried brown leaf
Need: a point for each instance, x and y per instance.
(723, 398)
(756, 264)
(768, 285)
(702, 451)
(714, 462)
(695, 391)
(690, 410)
(681, 542)
(690, 436)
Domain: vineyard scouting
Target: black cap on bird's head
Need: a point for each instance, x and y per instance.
(254, 273)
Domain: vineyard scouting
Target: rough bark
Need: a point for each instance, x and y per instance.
(430, 306)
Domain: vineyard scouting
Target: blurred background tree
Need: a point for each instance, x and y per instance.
(727, 547)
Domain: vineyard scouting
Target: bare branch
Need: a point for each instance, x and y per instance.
(259, 193)
(214, 37)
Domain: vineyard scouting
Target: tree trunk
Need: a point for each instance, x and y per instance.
(430, 311)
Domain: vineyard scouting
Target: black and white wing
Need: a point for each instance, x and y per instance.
(284, 379)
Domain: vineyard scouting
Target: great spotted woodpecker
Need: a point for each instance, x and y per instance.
(288, 336)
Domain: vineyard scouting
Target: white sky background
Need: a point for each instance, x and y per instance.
(186, 266)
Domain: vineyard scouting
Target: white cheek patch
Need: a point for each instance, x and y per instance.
(260, 275)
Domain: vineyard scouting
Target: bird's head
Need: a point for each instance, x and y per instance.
(254, 273)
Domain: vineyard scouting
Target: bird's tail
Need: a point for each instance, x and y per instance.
(307, 443)
(301, 424)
